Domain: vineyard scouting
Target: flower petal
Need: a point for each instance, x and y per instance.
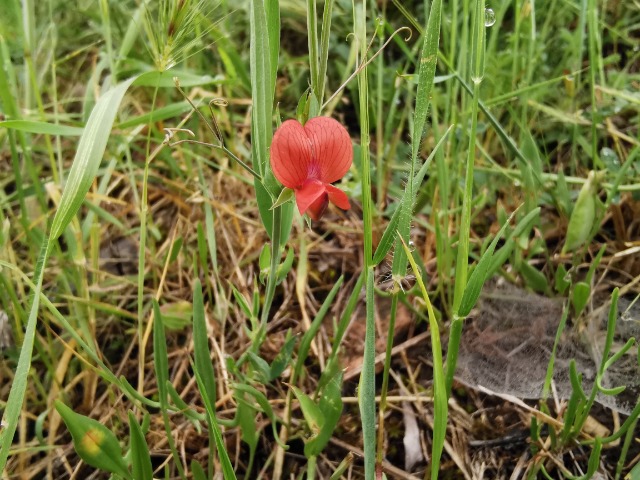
(332, 149)
(309, 193)
(291, 154)
(338, 197)
(317, 208)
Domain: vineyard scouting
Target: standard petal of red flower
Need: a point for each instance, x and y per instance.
(332, 151)
(311, 191)
(291, 154)
(338, 197)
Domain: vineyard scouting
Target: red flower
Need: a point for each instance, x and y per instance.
(308, 159)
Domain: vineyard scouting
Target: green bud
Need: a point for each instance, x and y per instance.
(94, 443)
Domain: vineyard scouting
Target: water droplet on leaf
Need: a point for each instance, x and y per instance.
(489, 17)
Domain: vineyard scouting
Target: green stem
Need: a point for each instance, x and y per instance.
(312, 24)
(311, 467)
(272, 279)
(385, 377)
(462, 261)
(144, 208)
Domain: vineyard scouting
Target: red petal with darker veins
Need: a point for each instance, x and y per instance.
(332, 151)
(311, 191)
(317, 208)
(338, 197)
(291, 154)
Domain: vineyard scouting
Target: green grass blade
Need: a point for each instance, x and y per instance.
(426, 74)
(483, 268)
(19, 386)
(261, 96)
(205, 377)
(367, 385)
(201, 346)
(161, 365)
(389, 235)
(32, 126)
(140, 458)
(440, 395)
(88, 156)
(305, 343)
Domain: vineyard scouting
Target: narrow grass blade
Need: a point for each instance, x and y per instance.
(161, 365)
(480, 273)
(261, 96)
(440, 396)
(140, 458)
(83, 171)
(391, 230)
(426, 74)
(32, 126)
(305, 343)
(88, 156)
(19, 386)
(201, 346)
(205, 377)
(367, 384)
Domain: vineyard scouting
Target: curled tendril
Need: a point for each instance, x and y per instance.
(170, 133)
(219, 102)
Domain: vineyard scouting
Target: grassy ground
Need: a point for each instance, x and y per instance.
(141, 288)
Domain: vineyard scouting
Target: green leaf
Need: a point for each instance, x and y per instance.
(391, 230)
(261, 86)
(440, 396)
(197, 471)
(534, 278)
(272, 16)
(250, 433)
(155, 78)
(205, 378)
(88, 156)
(388, 238)
(264, 262)
(580, 297)
(32, 126)
(480, 273)
(261, 366)
(183, 407)
(330, 408)
(242, 302)
(202, 363)
(286, 195)
(582, 217)
(305, 343)
(157, 115)
(263, 401)
(561, 282)
(94, 443)
(503, 253)
(176, 315)
(83, 171)
(140, 458)
(283, 358)
(312, 413)
(285, 267)
(426, 74)
(215, 433)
